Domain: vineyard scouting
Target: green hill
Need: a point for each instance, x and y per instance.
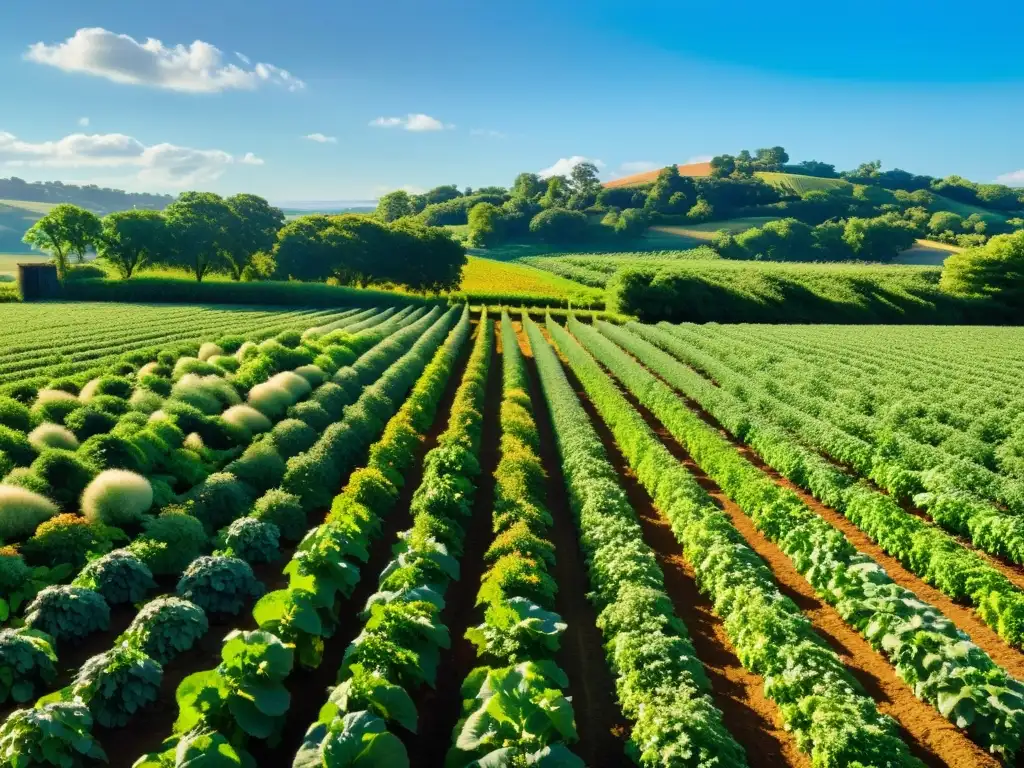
(795, 184)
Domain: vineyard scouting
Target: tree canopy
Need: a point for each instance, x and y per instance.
(995, 269)
(65, 230)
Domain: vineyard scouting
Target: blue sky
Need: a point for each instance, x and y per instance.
(413, 94)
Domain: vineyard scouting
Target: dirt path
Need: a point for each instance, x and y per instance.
(601, 726)
(931, 737)
(439, 708)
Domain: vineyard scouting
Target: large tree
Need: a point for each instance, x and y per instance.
(395, 205)
(65, 230)
(308, 248)
(485, 228)
(529, 186)
(132, 239)
(584, 185)
(198, 223)
(252, 229)
(995, 269)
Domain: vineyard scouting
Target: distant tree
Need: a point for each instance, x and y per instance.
(252, 229)
(442, 194)
(722, 166)
(529, 186)
(632, 222)
(878, 239)
(65, 230)
(770, 159)
(995, 269)
(307, 248)
(867, 170)
(942, 221)
(198, 224)
(559, 225)
(431, 260)
(584, 185)
(395, 205)
(516, 216)
(815, 168)
(557, 193)
(670, 192)
(491, 191)
(701, 211)
(485, 225)
(130, 240)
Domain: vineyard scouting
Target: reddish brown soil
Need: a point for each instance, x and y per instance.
(439, 708)
(931, 737)
(599, 722)
(751, 718)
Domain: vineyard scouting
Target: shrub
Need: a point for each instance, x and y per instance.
(14, 415)
(332, 398)
(270, 399)
(130, 424)
(115, 406)
(219, 584)
(292, 437)
(208, 350)
(14, 573)
(59, 733)
(111, 452)
(145, 401)
(67, 612)
(116, 386)
(186, 467)
(45, 396)
(290, 339)
(186, 365)
(284, 511)
(159, 385)
(65, 385)
(17, 447)
(247, 350)
(167, 431)
(26, 660)
(228, 363)
(219, 499)
(154, 368)
(21, 512)
(247, 420)
(120, 576)
(167, 626)
(312, 374)
(117, 497)
(183, 538)
(261, 466)
(88, 421)
(52, 436)
(312, 413)
(24, 393)
(55, 411)
(558, 225)
(210, 394)
(66, 474)
(294, 384)
(65, 538)
(118, 683)
(252, 540)
(23, 477)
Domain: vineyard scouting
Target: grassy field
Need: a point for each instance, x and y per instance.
(796, 184)
(487, 277)
(9, 261)
(929, 252)
(702, 233)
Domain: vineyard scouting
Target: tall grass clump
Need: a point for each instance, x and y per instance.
(21, 512)
(247, 420)
(117, 497)
(208, 350)
(52, 436)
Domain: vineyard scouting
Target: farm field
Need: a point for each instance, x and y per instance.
(483, 278)
(436, 537)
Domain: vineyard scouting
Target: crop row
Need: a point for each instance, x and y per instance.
(927, 651)
(661, 685)
(114, 685)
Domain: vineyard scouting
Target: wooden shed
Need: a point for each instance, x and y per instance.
(38, 281)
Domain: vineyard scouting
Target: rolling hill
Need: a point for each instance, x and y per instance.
(647, 177)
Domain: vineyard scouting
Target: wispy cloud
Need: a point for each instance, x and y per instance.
(161, 165)
(412, 122)
(488, 132)
(563, 166)
(1012, 179)
(195, 68)
(321, 138)
(83, 122)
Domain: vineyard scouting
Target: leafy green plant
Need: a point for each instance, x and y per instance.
(219, 584)
(245, 695)
(117, 684)
(515, 715)
(517, 630)
(252, 540)
(283, 510)
(359, 740)
(167, 626)
(27, 659)
(21, 511)
(119, 576)
(59, 733)
(66, 539)
(67, 612)
(183, 536)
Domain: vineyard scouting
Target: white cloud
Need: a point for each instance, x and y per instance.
(160, 165)
(243, 58)
(412, 189)
(564, 166)
(84, 122)
(195, 68)
(411, 122)
(490, 133)
(637, 166)
(1012, 179)
(321, 138)
(698, 159)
